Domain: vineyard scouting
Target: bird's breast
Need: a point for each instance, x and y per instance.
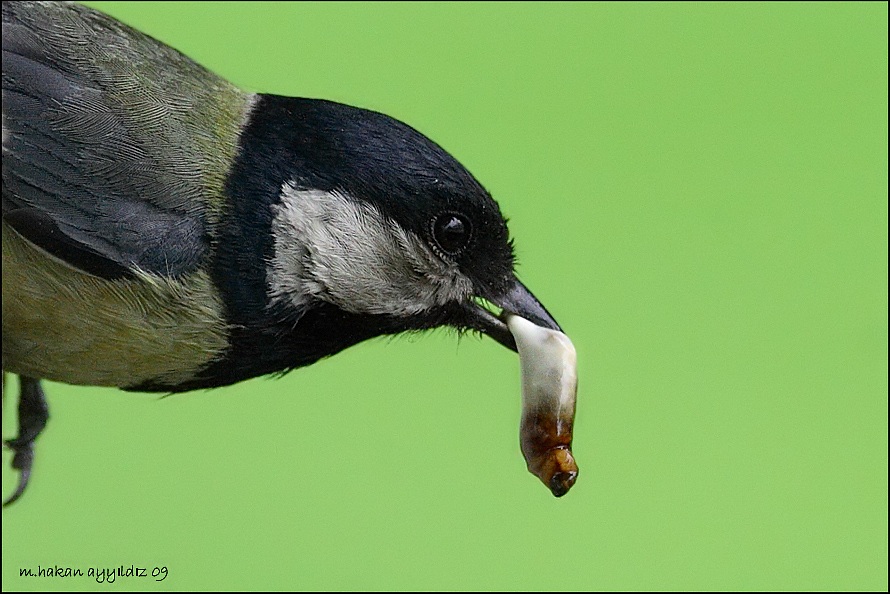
(62, 324)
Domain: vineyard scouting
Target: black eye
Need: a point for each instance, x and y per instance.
(451, 232)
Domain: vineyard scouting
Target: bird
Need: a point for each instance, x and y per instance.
(166, 231)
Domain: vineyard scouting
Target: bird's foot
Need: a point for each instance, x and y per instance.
(33, 414)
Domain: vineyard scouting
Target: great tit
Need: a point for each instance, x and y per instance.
(165, 231)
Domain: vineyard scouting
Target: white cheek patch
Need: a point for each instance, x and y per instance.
(334, 248)
(549, 386)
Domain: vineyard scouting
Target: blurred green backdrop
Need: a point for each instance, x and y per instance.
(698, 192)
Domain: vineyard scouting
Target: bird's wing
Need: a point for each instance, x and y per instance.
(115, 146)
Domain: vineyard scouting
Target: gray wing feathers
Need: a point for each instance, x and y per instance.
(123, 142)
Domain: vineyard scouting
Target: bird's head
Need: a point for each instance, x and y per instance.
(377, 220)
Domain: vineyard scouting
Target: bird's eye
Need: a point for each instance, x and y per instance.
(451, 232)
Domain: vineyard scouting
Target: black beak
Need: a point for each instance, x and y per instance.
(517, 300)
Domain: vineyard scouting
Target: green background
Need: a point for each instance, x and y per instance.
(698, 194)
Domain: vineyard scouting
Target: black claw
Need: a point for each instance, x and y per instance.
(33, 414)
(21, 461)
